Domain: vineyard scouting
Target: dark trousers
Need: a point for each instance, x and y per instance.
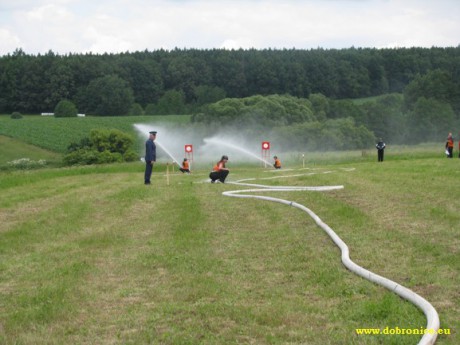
(185, 170)
(380, 155)
(451, 152)
(218, 175)
(148, 171)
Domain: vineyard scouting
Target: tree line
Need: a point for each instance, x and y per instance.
(322, 123)
(308, 96)
(182, 80)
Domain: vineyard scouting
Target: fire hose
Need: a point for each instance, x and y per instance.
(431, 315)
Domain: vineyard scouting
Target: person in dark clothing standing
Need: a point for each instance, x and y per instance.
(380, 149)
(150, 156)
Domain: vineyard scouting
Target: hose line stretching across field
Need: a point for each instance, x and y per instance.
(429, 311)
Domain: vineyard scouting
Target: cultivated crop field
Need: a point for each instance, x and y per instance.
(56, 134)
(90, 255)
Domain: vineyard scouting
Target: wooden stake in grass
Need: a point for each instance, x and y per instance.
(167, 174)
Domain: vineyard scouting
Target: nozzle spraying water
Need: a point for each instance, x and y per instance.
(217, 142)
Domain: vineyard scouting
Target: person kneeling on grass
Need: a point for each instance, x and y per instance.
(185, 166)
(277, 164)
(219, 172)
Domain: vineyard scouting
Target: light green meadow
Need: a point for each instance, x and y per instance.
(90, 255)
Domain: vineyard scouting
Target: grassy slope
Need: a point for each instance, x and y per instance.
(91, 255)
(13, 149)
(56, 134)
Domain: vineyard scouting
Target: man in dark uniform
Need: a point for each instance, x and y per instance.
(380, 149)
(150, 156)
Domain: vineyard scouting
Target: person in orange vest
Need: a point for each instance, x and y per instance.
(219, 171)
(277, 164)
(185, 166)
(450, 146)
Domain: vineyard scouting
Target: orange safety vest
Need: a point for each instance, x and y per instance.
(185, 165)
(219, 165)
(277, 163)
(450, 142)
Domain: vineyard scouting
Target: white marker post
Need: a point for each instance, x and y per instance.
(167, 174)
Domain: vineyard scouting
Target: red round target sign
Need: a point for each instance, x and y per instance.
(265, 145)
(188, 148)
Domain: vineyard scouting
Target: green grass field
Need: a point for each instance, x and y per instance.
(55, 134)
(89, 255)
(13, 149)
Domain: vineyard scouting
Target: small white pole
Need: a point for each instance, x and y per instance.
(167, 174)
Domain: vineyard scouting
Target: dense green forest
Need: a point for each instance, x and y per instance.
(222, 87)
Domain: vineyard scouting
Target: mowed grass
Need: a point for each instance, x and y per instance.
(90, 255)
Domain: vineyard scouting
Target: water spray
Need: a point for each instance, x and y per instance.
(167, 152)
(226, 143)
(145, 129)
(169, 140)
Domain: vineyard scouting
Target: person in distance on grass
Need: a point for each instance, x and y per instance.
(150, 156)
(219, 172)
(185, 166)
(380, 149)
(450, 146)
(277, 164)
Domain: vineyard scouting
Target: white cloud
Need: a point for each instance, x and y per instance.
(8, 41)
(48, 14)
(120, 25)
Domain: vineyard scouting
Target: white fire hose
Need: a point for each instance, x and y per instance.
(432, 317)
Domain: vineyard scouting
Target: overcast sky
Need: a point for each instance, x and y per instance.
(98, 26)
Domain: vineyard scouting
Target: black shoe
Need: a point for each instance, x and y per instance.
(146, 183)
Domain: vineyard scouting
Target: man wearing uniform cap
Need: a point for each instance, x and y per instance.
(150, 156)
(380, 150)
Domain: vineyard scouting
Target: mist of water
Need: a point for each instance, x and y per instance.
(167, 152)
(145, 129)
(171, 141)
(234, 147)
